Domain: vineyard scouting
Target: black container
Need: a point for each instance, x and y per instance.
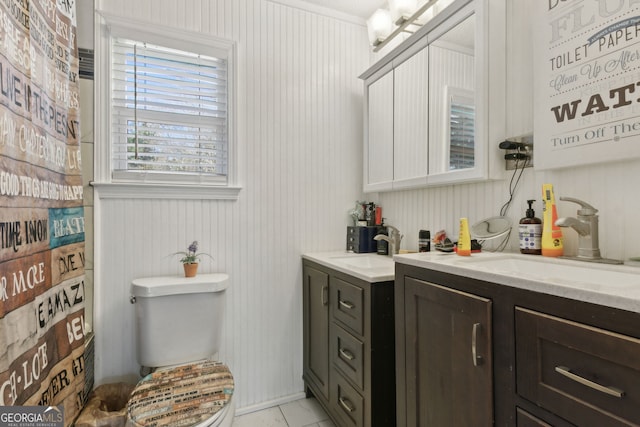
(360, 239)
(383, 245)
(424, 241)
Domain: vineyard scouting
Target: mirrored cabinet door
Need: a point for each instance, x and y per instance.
(379, 150)
(411, 121)
(452, 84)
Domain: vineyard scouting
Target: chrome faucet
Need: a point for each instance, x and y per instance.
(393, 239)
(586, 225)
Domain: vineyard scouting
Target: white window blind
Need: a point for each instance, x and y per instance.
(169, 114)
(461, 131)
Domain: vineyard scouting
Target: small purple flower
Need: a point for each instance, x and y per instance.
(193, 247)
(191, 255)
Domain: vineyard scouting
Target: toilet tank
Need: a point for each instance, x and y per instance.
(178, 319)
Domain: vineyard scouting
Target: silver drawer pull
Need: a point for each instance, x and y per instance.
(347, 354)
(346, 404)
(611, 391)
(477, 359)
(347, 305)
(323, 295)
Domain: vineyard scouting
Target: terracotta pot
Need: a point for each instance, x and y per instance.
(190, 269)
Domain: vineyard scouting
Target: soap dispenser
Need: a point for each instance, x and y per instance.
(383, 245)
(530, 232)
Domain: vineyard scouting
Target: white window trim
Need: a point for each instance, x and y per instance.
(108, 26)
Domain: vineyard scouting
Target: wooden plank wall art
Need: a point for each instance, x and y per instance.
(587, 80)
(41, 213)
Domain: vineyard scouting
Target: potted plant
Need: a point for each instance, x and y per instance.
(190, 259)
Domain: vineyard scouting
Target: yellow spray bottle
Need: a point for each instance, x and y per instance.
(552, 244)
(464, 238)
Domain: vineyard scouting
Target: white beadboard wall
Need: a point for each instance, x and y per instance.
(300, 142)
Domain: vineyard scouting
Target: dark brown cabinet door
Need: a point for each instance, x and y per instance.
(316, 329)
(448, 356)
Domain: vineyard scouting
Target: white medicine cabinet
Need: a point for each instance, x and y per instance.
(427, 115)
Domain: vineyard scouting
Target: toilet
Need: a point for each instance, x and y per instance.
(178, 332)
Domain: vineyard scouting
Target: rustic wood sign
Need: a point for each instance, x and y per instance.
(41, 212)
(587, 81)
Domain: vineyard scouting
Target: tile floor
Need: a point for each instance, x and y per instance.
(300, 413)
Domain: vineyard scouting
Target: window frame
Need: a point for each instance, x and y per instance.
(174, 186)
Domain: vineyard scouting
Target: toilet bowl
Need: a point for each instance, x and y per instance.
(178, 329)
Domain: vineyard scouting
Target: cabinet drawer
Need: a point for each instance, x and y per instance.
(347, 403)
(347, 304)
(525, 419)
(348, 355)
(587, 375)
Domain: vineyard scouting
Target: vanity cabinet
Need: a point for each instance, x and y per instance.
(348, 346)
(542, 360)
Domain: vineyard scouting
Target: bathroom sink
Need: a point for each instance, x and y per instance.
(553, 270)
(604, 284)
(369, 267)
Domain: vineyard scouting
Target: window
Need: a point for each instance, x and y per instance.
(461, 108)
(170, 116)
(169, 111)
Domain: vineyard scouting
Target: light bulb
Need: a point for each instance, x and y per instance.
(379, 26)
(401, 9)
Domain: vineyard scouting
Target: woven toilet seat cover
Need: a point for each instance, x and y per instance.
(180, 396)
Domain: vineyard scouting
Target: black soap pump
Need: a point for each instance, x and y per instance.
(530, 232)
(383, 245)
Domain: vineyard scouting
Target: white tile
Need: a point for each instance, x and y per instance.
(271, 417)
(303, 412)
(325, 423)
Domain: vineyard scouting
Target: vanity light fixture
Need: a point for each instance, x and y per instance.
(379, 26)
(405, 13)
(401, 10)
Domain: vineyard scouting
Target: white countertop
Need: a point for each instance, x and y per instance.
(615, 286)
(609, 285)
(370, 267)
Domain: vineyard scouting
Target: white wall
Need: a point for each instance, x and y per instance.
(611, 188)
(300, 140)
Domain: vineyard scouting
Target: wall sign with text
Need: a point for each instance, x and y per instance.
(42, 280)
(587, 81)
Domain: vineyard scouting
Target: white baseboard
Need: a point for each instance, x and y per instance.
(270, 404)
